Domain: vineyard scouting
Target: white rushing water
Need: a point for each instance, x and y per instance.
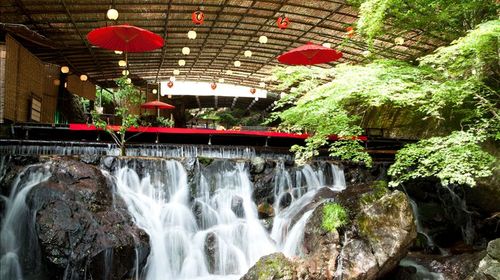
(15, 234)
(213, 231)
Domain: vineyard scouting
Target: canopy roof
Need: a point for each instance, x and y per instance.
(230, 28)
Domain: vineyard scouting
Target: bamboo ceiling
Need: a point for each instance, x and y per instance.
(230, 28)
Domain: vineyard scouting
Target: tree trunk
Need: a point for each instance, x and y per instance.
(123, 152)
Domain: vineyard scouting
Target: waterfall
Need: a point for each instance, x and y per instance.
(17, 243)
(421, 271)
(209, 228)
(420, 228)
(222, 240)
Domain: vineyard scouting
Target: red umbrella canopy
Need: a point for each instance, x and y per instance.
(309, 54)
(157, 105)
(126, 38)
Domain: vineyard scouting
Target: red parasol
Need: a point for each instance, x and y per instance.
(309, 54)
(157, 105)
(126, 38)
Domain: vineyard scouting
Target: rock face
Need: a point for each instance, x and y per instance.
(373, 245)
(388, 227)
(489, 267)
(272, 267)
(83, 230)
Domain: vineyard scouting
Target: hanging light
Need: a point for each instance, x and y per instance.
(169, 96)
(65, 84)
(253, 90)
(56, 82)
(192, 34)
(176, 72)
(154, 91)
(186, 50)
(248, 53)
(237, 63)
(229, 72)
(129, 81)
(366, 53)
(256, 99)
(125, 72)
(282, 94)
(213, 86)
(327, 45)
(350, 31)
(221, 80)
(283, 22)
(172, 79)
(118, 52)
(83, 78)
(182, 62)
(112, 14)
(263, 39)
(198, 17)
(399, 40)
(122, 63)
(262, 84)
(170, 84)
(65, 69)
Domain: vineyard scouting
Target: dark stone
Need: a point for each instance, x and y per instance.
(78, 221)
(91, 159)
(108, 162)
(237, 206)
(285, 200)
(257, 165)
(211, 252)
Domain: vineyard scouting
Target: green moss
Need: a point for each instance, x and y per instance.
(334, 216)
(205, 161)
(379, 189)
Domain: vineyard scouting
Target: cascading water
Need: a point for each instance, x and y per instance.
(212, 231)
(17, 243)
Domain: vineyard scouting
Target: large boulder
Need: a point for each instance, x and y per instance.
(489, 267)
(84, 231)
(272, 267)
(387, 230)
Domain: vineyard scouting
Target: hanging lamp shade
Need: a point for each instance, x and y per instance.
(198, 17)
(126, 38)
(309, 54)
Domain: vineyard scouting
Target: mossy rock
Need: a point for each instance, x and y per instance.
(205, 161)
(271, 267)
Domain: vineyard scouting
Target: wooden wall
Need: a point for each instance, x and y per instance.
(26, 76)
(83, 89)
(2, 80)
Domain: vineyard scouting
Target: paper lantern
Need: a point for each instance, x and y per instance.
(170, 84)
(186, 50)
(263, 39)
(327, 45)
(248, 53)
(262, 84)
(182, 62)
(213, 86)
(172, 79)
(229, 72)
(399, 41)
(118, 52)
(176, 72)
(283, 22)
(192, 34)
(198, 17)
(253, 90)
(221, 80)
(350, 31)
(366, 53)
(65, 69)
(122, 63)
(83, 78)
(129, 81)
(237, 63)
(112, 14)
(125, 72)
(154, 91)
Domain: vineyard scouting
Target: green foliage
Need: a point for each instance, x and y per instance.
(165, 122)
(104, 96)
(125, 97)
(334, 216)
(442, 87)
(444, 19)
(454, 159)
(379, 189)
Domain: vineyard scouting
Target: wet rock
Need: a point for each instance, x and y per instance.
(108, 162)
(359, 261)
(285, 200)
(211, 252)
(489, 267)
(79, 221)
(389, 229)
(263, 188)
(321, 247)
(271, 267)
(237, 206)
(90, 158)
(265, 210)
(257, 165)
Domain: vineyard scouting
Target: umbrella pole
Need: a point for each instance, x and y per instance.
(158, 98)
